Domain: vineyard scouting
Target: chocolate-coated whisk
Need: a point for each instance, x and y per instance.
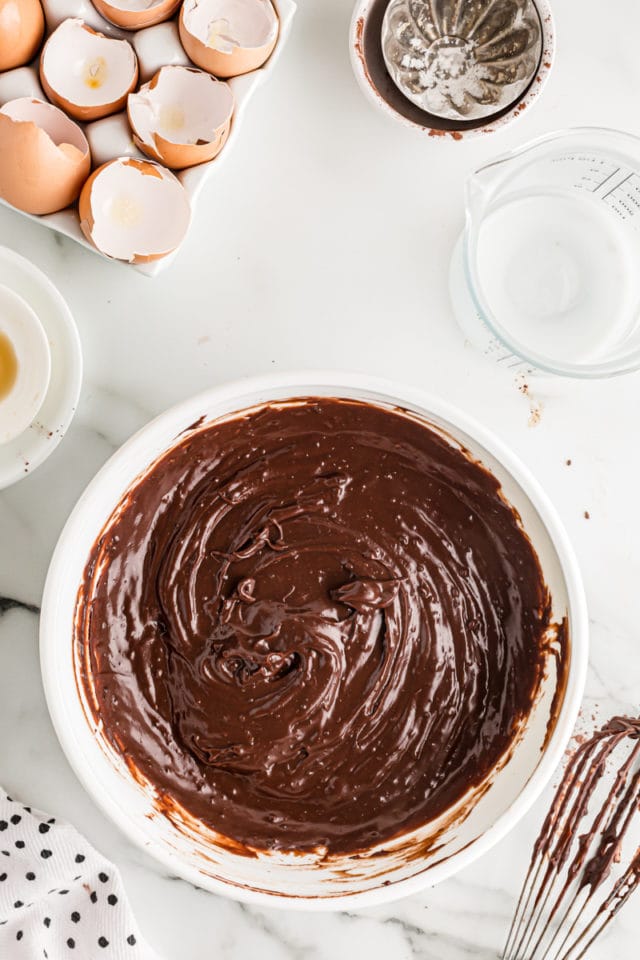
(585, 863)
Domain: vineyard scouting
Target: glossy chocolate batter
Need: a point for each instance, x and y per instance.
(314, 625)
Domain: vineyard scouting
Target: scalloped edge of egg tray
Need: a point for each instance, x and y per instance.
(193, 178)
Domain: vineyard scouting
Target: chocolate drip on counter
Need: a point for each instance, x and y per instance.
(578, 879)
(316, 625)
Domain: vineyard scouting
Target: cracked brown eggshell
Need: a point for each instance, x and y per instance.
(182, 117)
(136, 14)
(85, 73)
(228, 37)
(134, 210)
(44, 156)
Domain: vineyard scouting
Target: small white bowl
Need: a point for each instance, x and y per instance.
(382, 93)
(303, 882)
(27, 451)
(24, 336)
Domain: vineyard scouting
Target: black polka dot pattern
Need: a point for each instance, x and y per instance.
(58, 898)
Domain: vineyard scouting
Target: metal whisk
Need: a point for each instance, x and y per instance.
(586, 860)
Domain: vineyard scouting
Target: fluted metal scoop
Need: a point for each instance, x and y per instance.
(462, 59)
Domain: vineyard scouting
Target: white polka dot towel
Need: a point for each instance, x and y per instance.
(59, 899)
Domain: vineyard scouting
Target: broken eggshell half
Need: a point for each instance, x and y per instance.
(135, 14)
(134, 210)
(44, 156)
(228, 37)
(86, 74)
(181, 117)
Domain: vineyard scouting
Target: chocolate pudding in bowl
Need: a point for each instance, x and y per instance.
(323, 646)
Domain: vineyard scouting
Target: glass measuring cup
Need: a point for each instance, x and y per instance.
(547, 273)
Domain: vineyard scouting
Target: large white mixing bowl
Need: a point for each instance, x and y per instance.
(409, 863)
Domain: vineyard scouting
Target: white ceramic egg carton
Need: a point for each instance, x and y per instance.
(111, 137)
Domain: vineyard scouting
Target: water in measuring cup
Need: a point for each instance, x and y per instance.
(557, 273)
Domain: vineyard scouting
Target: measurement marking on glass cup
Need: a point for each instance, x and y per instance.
(517, 362)
(624, 199)
(590, 178)
(618, 185)
(494, 345)
(606, 180)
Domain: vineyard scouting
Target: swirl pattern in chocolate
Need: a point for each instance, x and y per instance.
(313, 625)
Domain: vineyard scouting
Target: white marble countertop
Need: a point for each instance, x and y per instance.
(325, 242)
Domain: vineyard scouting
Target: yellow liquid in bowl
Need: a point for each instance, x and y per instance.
(8, 366)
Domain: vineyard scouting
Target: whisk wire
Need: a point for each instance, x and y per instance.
(578, 851)
(601, 861)
(536, 867)
(550, 852)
